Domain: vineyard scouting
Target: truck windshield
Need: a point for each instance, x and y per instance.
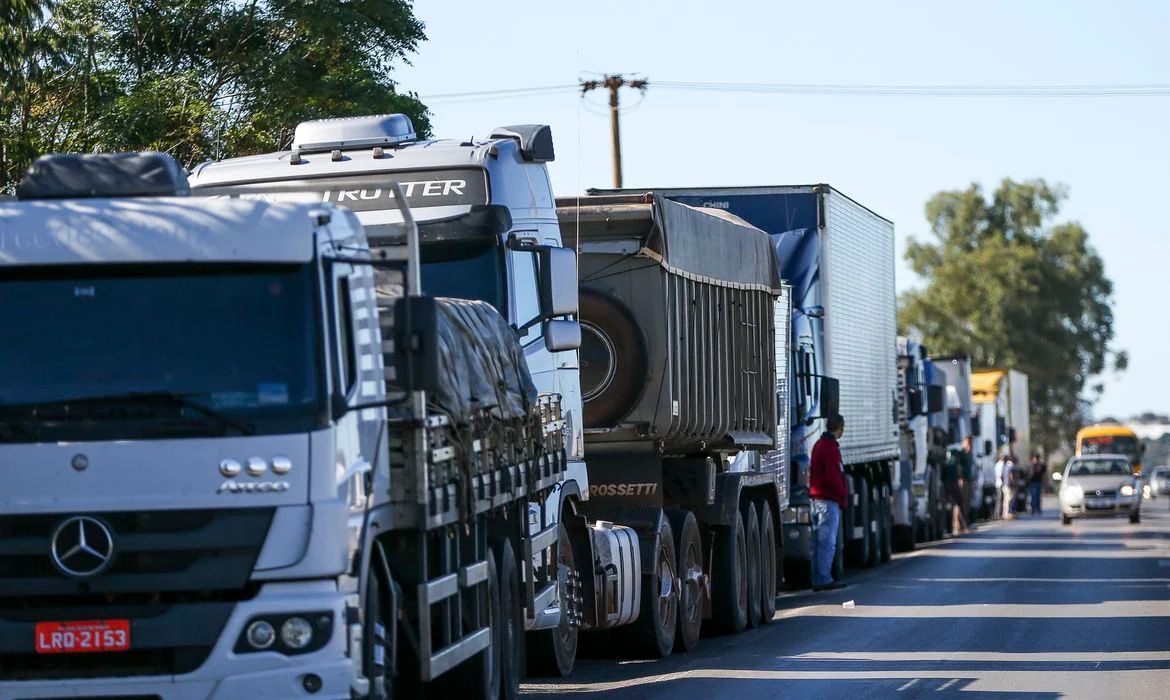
(136, 352)
(471, 269)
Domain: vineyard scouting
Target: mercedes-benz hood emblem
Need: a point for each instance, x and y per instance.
(82, 547)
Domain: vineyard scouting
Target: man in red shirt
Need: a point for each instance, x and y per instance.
(826, 488)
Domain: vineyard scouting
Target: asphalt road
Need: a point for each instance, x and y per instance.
(1017, 609)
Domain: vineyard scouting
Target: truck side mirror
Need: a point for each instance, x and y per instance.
(561, 335)
(1011, 432)
(914, 401)
(987, 448)
(976, 428)
(558, 282)
(830, 396)
(936, 398)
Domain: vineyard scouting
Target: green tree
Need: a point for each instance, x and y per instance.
(1010, 288)
(199, 79)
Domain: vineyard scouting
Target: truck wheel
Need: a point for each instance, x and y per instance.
(376, 647)
(903, 537)
(887, 525)
(859, 546)
(873, 526)
(478, 678)
(729, 581)
(751, 523)
(613, 358)
(690, 577)
(552, 653)
(653, 632)
(511, 620)
(767, 563)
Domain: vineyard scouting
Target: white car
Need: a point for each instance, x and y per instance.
(1099, 486)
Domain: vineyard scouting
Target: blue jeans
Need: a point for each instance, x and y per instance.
(1034, 489)
(826, 518)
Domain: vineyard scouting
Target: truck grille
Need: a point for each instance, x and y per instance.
(155, 553)
(175, 575)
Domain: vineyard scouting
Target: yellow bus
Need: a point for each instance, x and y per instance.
(1111, 438)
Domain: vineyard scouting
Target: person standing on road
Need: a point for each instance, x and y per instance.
(1036, 481)
(967, 471)
(952, 479)
(826, 488)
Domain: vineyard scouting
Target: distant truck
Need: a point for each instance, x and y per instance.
(916, 509)
(839, 258)
(1001, 402)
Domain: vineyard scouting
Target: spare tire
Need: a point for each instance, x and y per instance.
(614, 361)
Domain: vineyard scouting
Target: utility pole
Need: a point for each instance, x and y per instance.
(613, 83)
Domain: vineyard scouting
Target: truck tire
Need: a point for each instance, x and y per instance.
(798, 573)
(753, 571)
(478, 678)
(613, 357)
(652, 634)
(859, 547)
(511, 620)
(376, 647)
(728, 580)
(552, 653)
(903, 537)
(689, 546)
(767, 563)
(887, 525)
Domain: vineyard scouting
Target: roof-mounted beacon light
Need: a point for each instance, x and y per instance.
(536, 141)
(90, 175)
(348, 133)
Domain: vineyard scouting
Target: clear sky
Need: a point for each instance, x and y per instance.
(889, 153)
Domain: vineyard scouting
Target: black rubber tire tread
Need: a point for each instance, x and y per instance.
(685, 527)
(751, 522)
(552, 653)
(887, 525)
(1065, 520)
(512, 620)
(478, 678)
(614, 320)
(651, 637)
(903, 537)
(858, 554)
(768, 557)
(728, 597)
(381, 684)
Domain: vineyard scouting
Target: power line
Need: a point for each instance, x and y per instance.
(852, 90)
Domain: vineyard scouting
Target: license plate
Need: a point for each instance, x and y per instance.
(1100, 504)
(83, 637)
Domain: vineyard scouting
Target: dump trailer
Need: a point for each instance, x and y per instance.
(684, 357)
(277, 463)
(838, 257)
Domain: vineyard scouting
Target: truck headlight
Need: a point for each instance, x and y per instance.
(1127, 490)
(296, 633)
(261, 634)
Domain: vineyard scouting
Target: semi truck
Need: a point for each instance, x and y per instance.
(838, 257)
(1001, 403)
(670, 366)
(919, 401)
(261, 460)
